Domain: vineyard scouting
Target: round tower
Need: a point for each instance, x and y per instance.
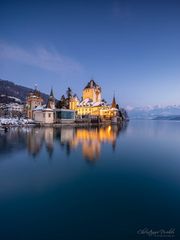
(33, 100)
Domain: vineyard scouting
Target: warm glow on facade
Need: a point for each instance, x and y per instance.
(92, 104)
(33, 100)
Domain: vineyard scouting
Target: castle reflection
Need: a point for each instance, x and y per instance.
(89, 140)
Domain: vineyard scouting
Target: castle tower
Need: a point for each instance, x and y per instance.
(113, 105)
(51, 100)
(33, 100)
(114, 110)
(92, 91)
(73, 102)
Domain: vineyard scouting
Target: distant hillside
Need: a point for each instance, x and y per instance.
(176, 118)
(155, 112)
(10, 92)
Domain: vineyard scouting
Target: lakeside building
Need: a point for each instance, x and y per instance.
(48, 113)
(33, 100)
(45, 113)
(91, 108)
(15, 107)
(11, 109)
(42, 114)
(92, 103)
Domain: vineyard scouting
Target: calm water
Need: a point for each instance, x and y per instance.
(79, 183)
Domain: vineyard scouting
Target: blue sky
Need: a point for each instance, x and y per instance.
(131, 48)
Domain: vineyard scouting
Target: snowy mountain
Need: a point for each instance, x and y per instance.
(154, 112)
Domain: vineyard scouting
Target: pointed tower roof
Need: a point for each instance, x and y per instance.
(50, 99)
(91, 84)
(113, 105)
(51, 93)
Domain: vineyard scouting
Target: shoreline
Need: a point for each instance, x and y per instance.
(56, 125)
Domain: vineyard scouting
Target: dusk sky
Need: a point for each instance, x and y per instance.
(131, 48)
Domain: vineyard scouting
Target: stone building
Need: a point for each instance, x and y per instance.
(47, 114)
(43, 114)
(34, 100)
(92, 104)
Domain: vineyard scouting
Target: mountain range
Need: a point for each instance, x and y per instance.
(11, 92)
(157, 112)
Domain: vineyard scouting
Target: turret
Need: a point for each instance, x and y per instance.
(34, 100)
(113, 105)
(51, 100)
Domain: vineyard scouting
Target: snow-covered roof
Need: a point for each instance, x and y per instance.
(48, 109)
(42, 108)
(88, 102)
(114, 109)
(39, 108)
(96, 104)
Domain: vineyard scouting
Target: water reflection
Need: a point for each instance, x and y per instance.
(133, 187)
(89, 140)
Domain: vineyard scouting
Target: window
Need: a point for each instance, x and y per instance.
(49, 115)
(65, 114)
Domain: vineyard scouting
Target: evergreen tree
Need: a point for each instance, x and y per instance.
(62, 102)
(117, 106)
(63, 99)
(69, 93)
(69, 96)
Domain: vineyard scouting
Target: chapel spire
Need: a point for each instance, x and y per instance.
(51, 93)
(113, 105)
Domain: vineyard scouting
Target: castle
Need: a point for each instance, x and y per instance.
(91, 106)
(92, 103)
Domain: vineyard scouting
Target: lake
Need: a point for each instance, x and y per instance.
(91, 183)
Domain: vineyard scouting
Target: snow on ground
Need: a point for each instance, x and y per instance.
(15, 121)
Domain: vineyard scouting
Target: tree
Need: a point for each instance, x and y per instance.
(63, 99)
(103, 100)
(69, 93)
(62, 102)
(117, 106)
(69, 96)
